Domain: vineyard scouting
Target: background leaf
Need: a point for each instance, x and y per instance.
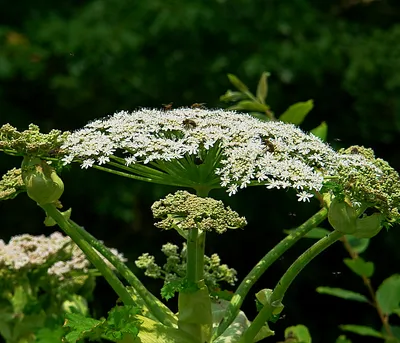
(359, 245)
(296, 113)
(388, 294)
(359, 266)
(262, 88)
(321, 131)
(342, 293)
(362, 330)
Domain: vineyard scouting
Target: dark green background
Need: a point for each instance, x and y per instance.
(65, 63)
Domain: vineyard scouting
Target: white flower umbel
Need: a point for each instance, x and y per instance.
(203, 149)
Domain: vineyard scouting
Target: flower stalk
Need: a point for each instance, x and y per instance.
(143, 296)
(280, 289)
(91, 254)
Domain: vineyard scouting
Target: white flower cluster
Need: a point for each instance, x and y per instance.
(276, 154)
(57, 252)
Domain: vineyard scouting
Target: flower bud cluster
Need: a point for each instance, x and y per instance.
(175, 267)
(183, 210)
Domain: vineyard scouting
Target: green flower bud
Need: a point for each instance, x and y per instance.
(41, 180)
(369, 226)
(342, 216)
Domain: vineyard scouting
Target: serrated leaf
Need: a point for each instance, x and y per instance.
(262, 88)
(342, 339)
(249, 105)
(47, 335)
(359, 266)
(359, 245)
(388, 294)
(361, 330)
(299, 332)
(321, 131)
(237, 83)
(81, 327)
(296, 113)
(342, 293)
(316, 233)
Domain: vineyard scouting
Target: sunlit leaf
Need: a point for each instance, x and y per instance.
(342, 293)
(237, 83)
(249, 105)
(321, 131)
(262, 88)
(296, 113)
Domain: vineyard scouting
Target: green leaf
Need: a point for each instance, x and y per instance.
(361, 330)
(231, 96)
(359, 245)
(237, 83)
(316, 233)
(342, 293)
(321, 131)
(359, 266)
(122, 321)
(262, 88)
(298, 332)
(249, 105)
(396, 331)
(47, 335)
(296, 113)
(342, 339)
(388, 294)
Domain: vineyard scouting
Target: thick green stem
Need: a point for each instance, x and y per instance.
(237, 300)
(144, 297)
(90, 253)
(192, 254)
(280, 289)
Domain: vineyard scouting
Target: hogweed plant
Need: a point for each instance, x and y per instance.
(201, 150)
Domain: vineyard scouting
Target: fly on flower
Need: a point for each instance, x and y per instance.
(189, 124)
(198, 105)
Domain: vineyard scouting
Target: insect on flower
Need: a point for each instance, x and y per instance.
(270, 147)
(168, 107)
(198, 105)
(189, 124)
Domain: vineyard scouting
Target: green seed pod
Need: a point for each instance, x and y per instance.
(41, 180)
(342, 216)
(369, 226)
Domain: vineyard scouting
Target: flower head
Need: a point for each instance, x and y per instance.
(202, 148)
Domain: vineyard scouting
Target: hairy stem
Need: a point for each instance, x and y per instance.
(155, 306)
(280, 289)
(237, 300)
(90, 253)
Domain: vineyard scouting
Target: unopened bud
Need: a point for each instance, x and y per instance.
(41, 180)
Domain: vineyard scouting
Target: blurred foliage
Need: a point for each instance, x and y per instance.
(65, 63)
